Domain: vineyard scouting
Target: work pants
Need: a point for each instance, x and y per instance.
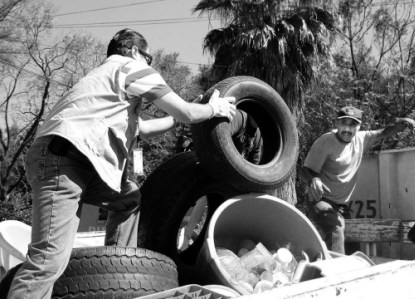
(329, 217)
(60, 185)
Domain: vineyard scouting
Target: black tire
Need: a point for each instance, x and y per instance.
(166, 195)
(110, 272)
(220, 158)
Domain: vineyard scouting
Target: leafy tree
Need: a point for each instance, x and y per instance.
(15, 138)
(37, 75)
(8, 10)
(372, 68)
(33, 78)
(274, 40)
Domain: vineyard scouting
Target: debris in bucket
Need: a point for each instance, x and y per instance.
(256, 269)
(258, 260)
(230, 261)
(286, 262)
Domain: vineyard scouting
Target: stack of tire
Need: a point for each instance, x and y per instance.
(214, 172)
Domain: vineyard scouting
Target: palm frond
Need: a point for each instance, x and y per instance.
(269, 41)
(218, 38)
(222, 9)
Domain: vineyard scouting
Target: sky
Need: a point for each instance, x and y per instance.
(166, 24)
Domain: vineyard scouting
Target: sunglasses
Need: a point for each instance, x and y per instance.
(147, 56)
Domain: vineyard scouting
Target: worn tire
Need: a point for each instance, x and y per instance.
(166, 195)
(220, 158)
(110, 272)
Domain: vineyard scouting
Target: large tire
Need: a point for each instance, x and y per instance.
(220, 158)
(110, 272)
(166, 196)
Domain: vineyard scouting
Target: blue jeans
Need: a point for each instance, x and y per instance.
(60, 185)
(330, 219)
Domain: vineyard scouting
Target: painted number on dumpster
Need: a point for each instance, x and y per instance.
(363, 208)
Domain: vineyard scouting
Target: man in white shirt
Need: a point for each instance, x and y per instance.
(331, 169)
(80, 153)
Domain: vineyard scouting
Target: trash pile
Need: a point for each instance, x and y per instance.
(256, 269)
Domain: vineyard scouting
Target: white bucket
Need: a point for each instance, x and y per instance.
(260, 218)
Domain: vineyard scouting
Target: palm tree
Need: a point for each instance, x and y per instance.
(276, 41)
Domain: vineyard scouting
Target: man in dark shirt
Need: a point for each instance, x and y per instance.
(246, 136)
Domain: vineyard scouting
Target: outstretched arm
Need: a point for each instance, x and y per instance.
(186, 112)
(194, 112)
(399, 125)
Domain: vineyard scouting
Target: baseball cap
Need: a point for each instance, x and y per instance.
(350, 112)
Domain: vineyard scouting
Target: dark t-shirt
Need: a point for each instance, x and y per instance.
(246, 136)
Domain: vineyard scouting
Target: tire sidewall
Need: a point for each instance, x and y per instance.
(119, 266)
(215, 148)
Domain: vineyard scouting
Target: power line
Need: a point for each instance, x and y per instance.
(5, 62)
(124, 23)
(141, 23)
(160, 21)
(164, 21)
(391, 3)
(194, 63)
(154, 1)
(105, 8)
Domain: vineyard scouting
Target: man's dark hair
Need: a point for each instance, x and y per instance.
(124, 40)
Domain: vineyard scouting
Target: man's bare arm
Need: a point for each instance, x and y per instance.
(316, 188)
(156, 126)
(399, 125)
